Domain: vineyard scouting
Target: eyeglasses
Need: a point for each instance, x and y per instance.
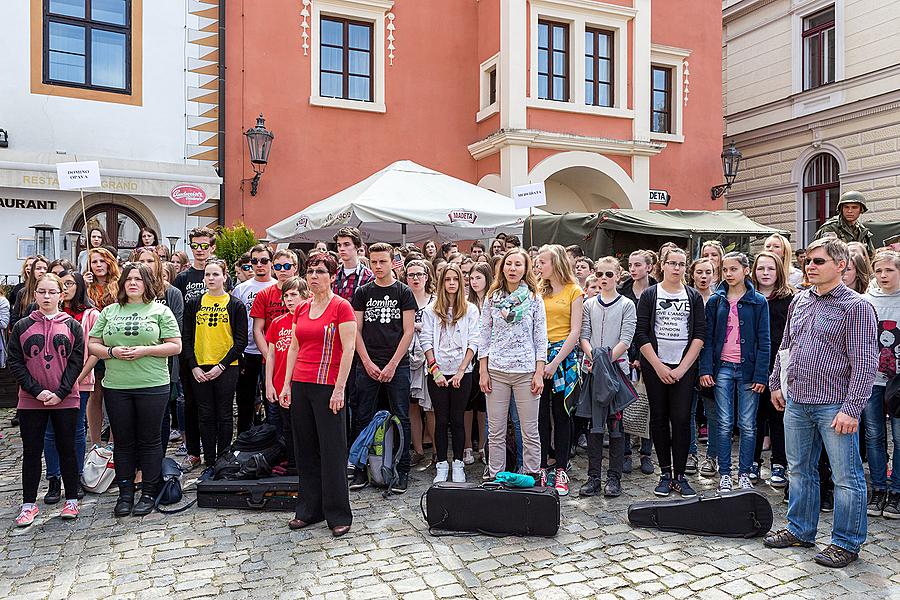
(198, 246)
(68, 284)
(818, 261)
(282, 266)
(47, 292)
(415, 275)
(317, 272)
(259, 261)
(245, 267)
(607, 274)
(679, 265)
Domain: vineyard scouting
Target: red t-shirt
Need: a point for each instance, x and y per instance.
(320, 344)
(279, 333)
(268, 305)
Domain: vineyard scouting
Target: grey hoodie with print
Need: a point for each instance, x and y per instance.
(887, 309)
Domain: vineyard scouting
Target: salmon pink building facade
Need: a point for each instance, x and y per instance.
(610, 103)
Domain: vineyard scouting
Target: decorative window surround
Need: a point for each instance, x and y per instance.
(373, 11)
(533, 138)
(800, 9)
(487, 108)
(580, 14)
(674, 58)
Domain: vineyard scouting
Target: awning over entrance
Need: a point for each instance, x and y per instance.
(117, 176)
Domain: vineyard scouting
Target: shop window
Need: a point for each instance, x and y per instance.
(553, 61)
(598, 67)
(661, 99)
(818, 39)
(821, 191)
(346, 59)
(87, 44)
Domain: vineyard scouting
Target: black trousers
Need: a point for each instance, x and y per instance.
(670, 416)
(553, 402)
(449, 412)
(288, 434)
(32, 426)
(247, 389)
(215, 402)
(191, 412)
(771, 420)
(595, 455)
(135, 417)
(320, 449)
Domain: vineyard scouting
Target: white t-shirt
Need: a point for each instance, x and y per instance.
(246, 292)
(673, 312)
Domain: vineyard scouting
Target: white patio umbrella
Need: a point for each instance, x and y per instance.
(408, 202)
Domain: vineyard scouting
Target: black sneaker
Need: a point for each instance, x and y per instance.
(646, 465)
(627, 466)
(835, 557)
(827, 503)
(80, 491)
(591, 487)
(875, 507)
(613, 487)
(359, 481)
(54, 491)
(892, 507)
(401, 484)
(664, 487)
(682, 486)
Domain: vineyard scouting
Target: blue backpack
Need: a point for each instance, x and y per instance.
(378, 449)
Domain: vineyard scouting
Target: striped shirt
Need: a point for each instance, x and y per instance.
(833, 350)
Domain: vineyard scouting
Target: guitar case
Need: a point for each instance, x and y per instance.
(269, 493)
(491, 509)
(738, 514)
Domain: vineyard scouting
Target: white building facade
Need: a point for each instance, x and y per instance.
(812, 100)
(119, 82)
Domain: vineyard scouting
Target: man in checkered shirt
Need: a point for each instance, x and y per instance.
(833, 350)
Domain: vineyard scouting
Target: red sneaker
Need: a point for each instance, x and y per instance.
(561, 482)
(70, 510)
(26, 517)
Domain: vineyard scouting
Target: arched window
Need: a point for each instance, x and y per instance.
(821, 190)
(120, 224)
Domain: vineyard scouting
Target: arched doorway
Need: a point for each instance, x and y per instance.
(821, 191)
(120, 223)
(583, 182)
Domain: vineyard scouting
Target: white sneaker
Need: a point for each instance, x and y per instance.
(443, 470)
(725, 483)
(174, 436)
(459, 472)
(744, 482)
(468, 456)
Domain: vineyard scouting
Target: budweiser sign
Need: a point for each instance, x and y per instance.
(187, 195)
(467, 216)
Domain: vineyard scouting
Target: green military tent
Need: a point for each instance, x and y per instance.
(619, 232)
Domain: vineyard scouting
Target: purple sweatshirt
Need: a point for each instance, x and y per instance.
(46, 353)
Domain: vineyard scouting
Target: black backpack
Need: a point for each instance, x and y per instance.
(252, 455)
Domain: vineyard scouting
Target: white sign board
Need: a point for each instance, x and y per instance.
(659, 197)
(78, 175)
(527, 196)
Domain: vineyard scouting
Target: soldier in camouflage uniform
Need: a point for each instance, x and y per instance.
(846, 223)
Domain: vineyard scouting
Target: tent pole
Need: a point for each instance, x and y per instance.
(403, 234)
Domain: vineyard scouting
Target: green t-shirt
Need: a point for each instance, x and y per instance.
(136, 325)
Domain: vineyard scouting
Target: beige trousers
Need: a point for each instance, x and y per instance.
(527, 404)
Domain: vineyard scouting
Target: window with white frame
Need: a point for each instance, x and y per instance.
(489, 92)
(818, 39)
(579, 57)
(348, 54)
(666, 108)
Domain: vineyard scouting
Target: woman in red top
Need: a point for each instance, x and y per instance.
(320, 354)
(279, 335)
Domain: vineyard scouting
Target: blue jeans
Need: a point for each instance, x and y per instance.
(876, 442)
(807, 428)
(50, 453)
(727, 380)
(398, 397)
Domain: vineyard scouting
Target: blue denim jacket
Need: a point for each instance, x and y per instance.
(753, 314)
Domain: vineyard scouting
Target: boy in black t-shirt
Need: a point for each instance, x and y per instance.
(385, 324)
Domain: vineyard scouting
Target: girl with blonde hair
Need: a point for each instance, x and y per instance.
(780, 246)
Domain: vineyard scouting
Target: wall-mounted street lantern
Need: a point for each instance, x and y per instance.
(731, 162)
(259, 141)
(4, 138)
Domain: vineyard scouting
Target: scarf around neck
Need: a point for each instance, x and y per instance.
(514, 306)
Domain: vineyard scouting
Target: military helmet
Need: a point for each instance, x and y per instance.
(852, 197)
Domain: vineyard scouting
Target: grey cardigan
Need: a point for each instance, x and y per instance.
(607, 325)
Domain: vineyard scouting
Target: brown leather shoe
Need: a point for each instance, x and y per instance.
(340, 530)
(297, 524)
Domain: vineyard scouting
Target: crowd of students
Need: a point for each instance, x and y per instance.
(465, 348)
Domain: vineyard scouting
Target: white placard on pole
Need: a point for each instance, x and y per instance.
(529, 195)
(78, 175)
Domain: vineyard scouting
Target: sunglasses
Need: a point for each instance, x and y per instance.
(818, 261)
(198, 246)
(282, 266)
(607, 274)
(245, 267)
(259, 261)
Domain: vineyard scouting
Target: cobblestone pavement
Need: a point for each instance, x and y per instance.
(389, 554)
